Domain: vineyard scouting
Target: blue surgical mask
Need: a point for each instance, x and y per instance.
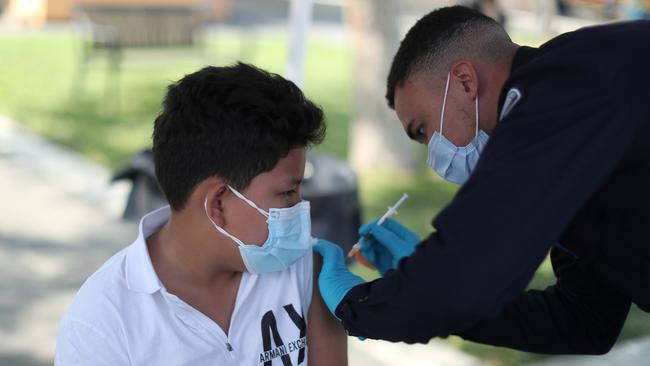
(289, 237)
(451, 162)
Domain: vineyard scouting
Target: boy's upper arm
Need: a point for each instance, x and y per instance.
(326, 337)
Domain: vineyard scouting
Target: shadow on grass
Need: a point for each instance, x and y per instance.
(110, 136)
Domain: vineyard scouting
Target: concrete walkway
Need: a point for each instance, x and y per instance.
(58, 223)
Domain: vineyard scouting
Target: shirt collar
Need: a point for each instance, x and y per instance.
(523, 55)
(139, 272)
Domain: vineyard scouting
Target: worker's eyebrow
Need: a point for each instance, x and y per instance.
(295, 181)
(409, 130)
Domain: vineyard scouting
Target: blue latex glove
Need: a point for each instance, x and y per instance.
(335, 279)
(384, 245)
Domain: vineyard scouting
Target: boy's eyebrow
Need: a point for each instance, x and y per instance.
(296, 181)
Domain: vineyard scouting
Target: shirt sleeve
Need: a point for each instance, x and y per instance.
(542, 163)
(580, 314)
(80, 344)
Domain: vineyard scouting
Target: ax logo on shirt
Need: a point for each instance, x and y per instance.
(282, 350)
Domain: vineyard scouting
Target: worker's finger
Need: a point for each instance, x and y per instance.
(332, 254)
(400, 230)
(365, 229)
(387, 239)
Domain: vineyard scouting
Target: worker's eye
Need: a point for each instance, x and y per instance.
(420, 133)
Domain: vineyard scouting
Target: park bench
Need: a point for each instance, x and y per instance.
(109, 29)
(121, 26)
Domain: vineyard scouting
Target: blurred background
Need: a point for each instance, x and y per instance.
(81, 82)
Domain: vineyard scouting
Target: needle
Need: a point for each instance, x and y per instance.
(392, 211)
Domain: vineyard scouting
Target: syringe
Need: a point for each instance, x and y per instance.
(392, 211)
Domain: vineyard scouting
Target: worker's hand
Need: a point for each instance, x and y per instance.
(334, 280)
(384, 245)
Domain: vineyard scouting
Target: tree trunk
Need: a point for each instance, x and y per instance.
(377, 137)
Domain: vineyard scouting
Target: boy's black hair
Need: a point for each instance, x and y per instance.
(438, 34)
(232, 122)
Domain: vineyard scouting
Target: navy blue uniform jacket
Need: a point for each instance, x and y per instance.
(569, 164)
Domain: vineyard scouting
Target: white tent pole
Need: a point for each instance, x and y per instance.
(300, 12)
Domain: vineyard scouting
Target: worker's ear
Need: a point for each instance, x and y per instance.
(464, 76)
(216, 192)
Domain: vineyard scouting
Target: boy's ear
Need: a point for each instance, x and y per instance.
(214, 202)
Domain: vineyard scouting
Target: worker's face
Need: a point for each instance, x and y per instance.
(418, 104)
(277, 188)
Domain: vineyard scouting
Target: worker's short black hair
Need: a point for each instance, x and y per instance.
(435, 36)
(232, 122)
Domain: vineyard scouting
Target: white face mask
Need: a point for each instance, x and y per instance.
(453, 163)
(289, 237)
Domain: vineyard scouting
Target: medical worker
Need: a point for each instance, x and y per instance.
(551, 147)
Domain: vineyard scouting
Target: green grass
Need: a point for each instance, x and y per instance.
(37, 89)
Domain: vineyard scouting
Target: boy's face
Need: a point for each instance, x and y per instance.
(278, 188)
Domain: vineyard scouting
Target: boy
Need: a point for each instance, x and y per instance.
(224, 275)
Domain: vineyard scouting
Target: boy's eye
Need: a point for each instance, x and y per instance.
(289, 193)
(420, 131)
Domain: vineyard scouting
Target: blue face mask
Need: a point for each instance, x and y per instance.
(289, 237)
(453, 163)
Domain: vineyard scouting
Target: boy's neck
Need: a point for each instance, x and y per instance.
(181, 252)
(202, 272)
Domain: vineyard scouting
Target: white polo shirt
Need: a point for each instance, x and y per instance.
(123, 315)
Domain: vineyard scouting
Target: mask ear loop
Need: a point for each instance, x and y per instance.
(250, 203)
(219, 228)
(476, 111)
(444, 102)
